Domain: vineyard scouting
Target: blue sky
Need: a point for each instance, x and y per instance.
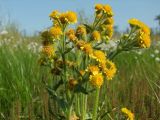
(32, 15)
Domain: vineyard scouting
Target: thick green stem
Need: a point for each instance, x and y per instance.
(95, 107)
(77, 108)
(82, 106)
(69, 113)
(84, 98)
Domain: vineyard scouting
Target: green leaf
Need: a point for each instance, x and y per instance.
(60, 101)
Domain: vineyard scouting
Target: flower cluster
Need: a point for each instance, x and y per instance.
(102, 67)
(104, 15)
(143, 32)
(76, 58)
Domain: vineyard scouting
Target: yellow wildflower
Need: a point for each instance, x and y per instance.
(96, 36)
(99, 56)
(71, 35)
(108, 10)
(80, 44)
(54, 14)
(110, 70)
(144, 40)
(96, 80)
(68, 17)
(71, 17)
(135, 22)
(145, 29)
(144, 32)
(55, 32)
(70, 31)
(128, 113)
(93, 69)
(48, 50)
(98, 7)
(87, 48)
(81, 30)
(102, 65)
(63, 18)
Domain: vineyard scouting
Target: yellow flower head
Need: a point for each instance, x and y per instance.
(96, 80)
(93, 69)
(110, 70)
(128, 113)
(68, 17)
(99, 56)
(108, 10)
(63, 18)
(96, 36)
(80, 44)
(134, 22)
(144, 32)
(70, 31)
(48, 50)
(71, 35)
(145, 29)
(87, 48)
(144, 40)
(137, 23)
(98, 7)
(55, 32)
(71, 17)
(102, 65)
(81, 30)
(54, 14)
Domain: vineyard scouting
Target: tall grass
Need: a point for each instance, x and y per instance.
(19, 78)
